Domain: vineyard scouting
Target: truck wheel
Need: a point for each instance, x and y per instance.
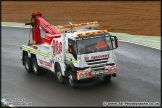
(27, 64)
(71, 80)
(107, 78)
(36, 68)
(59, 74)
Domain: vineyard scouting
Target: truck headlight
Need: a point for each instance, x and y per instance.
(83, 76)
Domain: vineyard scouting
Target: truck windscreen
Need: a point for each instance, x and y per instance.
(94, 45)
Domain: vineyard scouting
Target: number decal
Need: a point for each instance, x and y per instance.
(57, 47)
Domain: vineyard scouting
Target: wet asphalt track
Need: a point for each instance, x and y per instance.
(138, 80)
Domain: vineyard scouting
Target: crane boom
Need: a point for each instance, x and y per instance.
(45, 26)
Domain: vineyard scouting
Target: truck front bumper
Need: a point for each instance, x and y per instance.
(85, 74)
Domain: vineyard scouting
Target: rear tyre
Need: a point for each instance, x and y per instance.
(27, 64)
(36, 68)
(59, 74)
(71, 80)
(107, 78)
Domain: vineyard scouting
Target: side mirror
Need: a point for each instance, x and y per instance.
(70, 48)
(114, 40)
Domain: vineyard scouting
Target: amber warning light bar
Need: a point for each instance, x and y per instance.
(78, 26)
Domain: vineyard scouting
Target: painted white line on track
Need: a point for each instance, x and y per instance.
(140, 44)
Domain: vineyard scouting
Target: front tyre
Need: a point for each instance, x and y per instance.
(36, 68)
(27, 63)
(107, 78)
(71, 80)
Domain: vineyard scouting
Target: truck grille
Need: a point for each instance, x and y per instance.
(94, 66)
(98, 68)
(98, 61)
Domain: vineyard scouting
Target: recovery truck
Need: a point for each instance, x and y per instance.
(73, 52)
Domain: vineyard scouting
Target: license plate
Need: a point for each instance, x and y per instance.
(99, 72)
